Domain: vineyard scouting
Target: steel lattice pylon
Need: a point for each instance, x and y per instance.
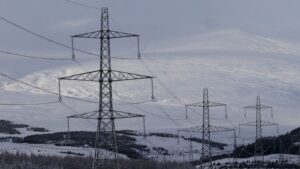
(199, 129)
(258, 124)
(106, 133)
(206, 129)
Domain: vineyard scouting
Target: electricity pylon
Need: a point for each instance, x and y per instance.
(190, 152)
(281, 160)
(259, 124)
(199, 129)
(106, 137)
(206, 129)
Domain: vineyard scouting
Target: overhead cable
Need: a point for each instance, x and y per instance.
(83, 5)
(30, 56)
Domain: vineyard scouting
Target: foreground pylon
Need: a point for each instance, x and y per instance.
(106, 138)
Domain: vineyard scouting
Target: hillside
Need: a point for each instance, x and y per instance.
(284, 144)
(131, 144)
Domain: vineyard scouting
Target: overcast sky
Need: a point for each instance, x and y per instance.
(156, 20)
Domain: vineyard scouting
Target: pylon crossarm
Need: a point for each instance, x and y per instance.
(94, 76)
(252, 123)
(86, 115)
(98, 34)
(200, 129)
(117, 34)
(94, 35)
(87, 76)
(263, 123)
(122, 115)
(214, 104)
(266, 123)
(122, 76)
(201, 104)
(95, 115)
(198, 104)
(255, 107)
(260, 107)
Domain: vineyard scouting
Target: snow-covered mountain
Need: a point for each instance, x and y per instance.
(232, 41)
(256, 66)
(236, 67)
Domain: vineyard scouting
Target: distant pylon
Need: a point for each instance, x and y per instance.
(234, 140)
(281, 156)
(206, 128)
(106, 137)
(191, 152)
(258, 124)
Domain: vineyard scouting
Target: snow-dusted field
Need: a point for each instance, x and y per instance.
(49, 149)
(43, 149)
(289, 159)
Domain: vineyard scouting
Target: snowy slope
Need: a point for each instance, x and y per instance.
(289, 159)
(48, 149)
(177, 150)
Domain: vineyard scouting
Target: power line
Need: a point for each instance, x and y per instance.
(30, 146)
(168, 117)
(45, 90)
(164, 87)
(30, 56)
(160, 82)
(69, 107)
(80, 65)
(83, 5)
(27, 84)
(51, 92)
(51, 40)
(28, 104)
(63, 45)
(35, 34)
(131, 103)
